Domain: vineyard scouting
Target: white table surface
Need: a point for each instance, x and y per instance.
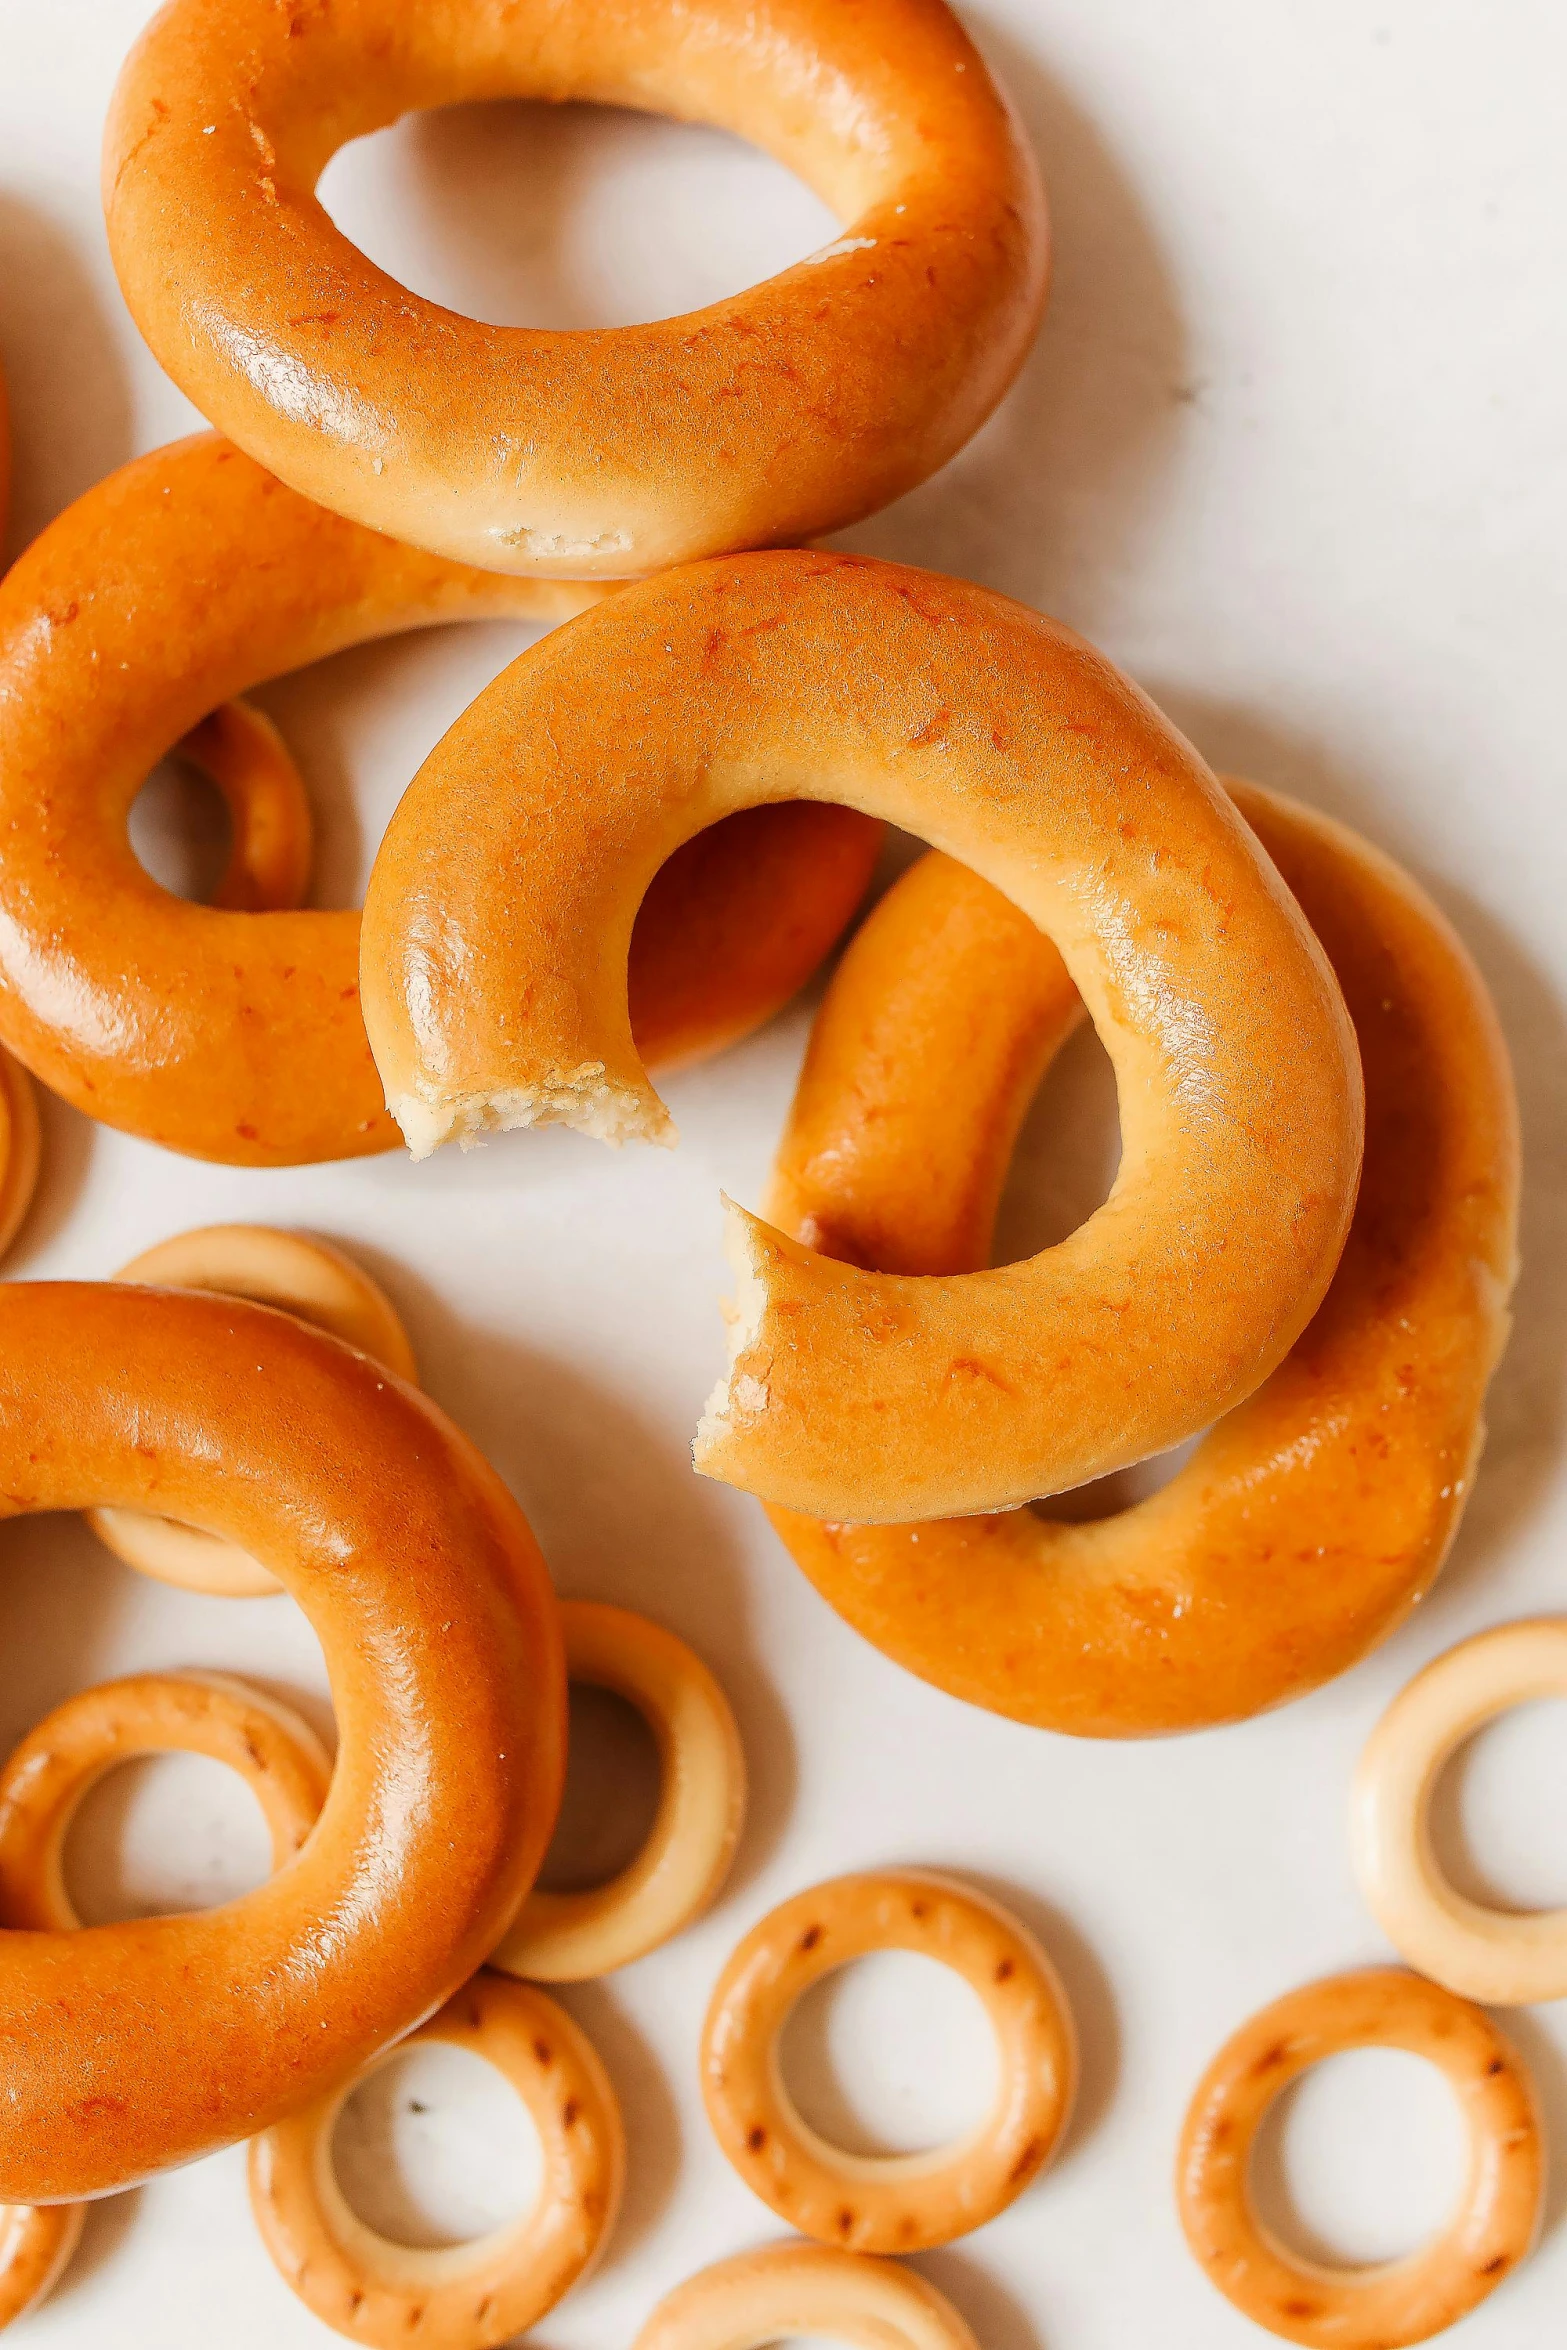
(1290, 449)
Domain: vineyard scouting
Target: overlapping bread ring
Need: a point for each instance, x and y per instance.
(186, 578)
(20, 1150)
(784, 2290)
(465, 2296)
(270, 1268)
(767, 418)
(1402, 2301)
(37, 2241)
(240, 751)
(901, 2202)
(1005, 739)
(1313, 1517)
(133, 2046)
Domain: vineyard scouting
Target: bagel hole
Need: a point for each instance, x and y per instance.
(1067, 1152)
(524, 214)
(611, 1795)
(436, 2148)
(164, 1833)
(890, 2054)
(181, 832)
(1361, 2160)
(1494, 1838)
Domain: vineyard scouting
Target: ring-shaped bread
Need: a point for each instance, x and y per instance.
(468, 2296)
(573, 1937)
(239, 750)
(511, 875)
(184, 579)
(783, 2290)
(1312, 1519)
(888, 2202)
(37, 2241)
(1400, 2301)
(137, 2045)
(764, 419)
(1504, 1957)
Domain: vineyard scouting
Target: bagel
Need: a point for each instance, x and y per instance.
(182, 580)
(768, 418)
(134, 2046)
(1312, 1519)
(37, 2241)
(784, 2290)
(512, 872)
(21, 1144)
(239, 750)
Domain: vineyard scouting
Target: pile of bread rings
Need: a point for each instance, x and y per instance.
(634, 847)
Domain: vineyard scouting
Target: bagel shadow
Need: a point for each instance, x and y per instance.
(69, 1139)
(995, 2316)
(647, 2104)
(71, 417)
(105, 2226)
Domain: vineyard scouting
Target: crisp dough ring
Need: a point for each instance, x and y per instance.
(466, 2296)
(572, 1937)
(270, 1268)
(765, 419)
(784, 2290)
(186, 578)
(37, 2241)
(1504, 1957)
(900, 2202)
(1313, 1518)
(512, 872)
(1401, 2301)
(239, 750)
(138, 2045)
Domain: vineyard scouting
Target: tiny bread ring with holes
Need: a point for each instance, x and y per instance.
(1505, 1958)
(465, 2296)
(270, 1268)
(1313, 1517)
(46, 1778)
(888, 2203)
(442, 1647)
(37, 2241)
(769, 417)
(784, 2290)
(234, 1034)
(1405, 2300)
(1006, 740)
(572, 1937)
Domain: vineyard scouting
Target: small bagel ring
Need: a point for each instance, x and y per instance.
(1309, 1521)
(465, 2296)
(1008, 741)
(37, 2241)
(1505, 1958)
(270, 1268)
(901, 2202)
(784, 2290)
(767, 418)
(180, 581)
(238, 749)
(1406, 2300)
(572, 1937)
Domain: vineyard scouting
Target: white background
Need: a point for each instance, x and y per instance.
(1290, 449)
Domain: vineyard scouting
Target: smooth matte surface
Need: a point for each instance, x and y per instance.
(1290, 451)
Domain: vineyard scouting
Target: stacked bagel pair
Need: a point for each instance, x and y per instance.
(631, 849)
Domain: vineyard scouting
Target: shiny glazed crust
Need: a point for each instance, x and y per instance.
(185, 578)
(134, 2046)
(1310, 1520)
(784, 2290)
(512, 872)
(781, 413)
(36, 2244)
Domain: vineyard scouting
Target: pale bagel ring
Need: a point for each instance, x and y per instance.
(270, 1268)
(1402, 2301)
(769, 418)
(188, 577)
(572, 1937)
(37, 2241)
(134, 2046)
(1503, 1957)
(759, 2298)
(512, 872)
(463, 2296)
(1312, 1519)
(900, 2202)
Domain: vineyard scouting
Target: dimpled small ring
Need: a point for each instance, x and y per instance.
(1505, 1958)
(462, 2296)
(888, 2203)
(1402, 2301)
(786, 2290)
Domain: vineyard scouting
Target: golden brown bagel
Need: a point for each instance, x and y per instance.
(36, 2245)
(181, 580)
(1311, 1519)
(782, 413)
(511, 875)
(134, 2046)
(20, 1150)
(240, 750)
